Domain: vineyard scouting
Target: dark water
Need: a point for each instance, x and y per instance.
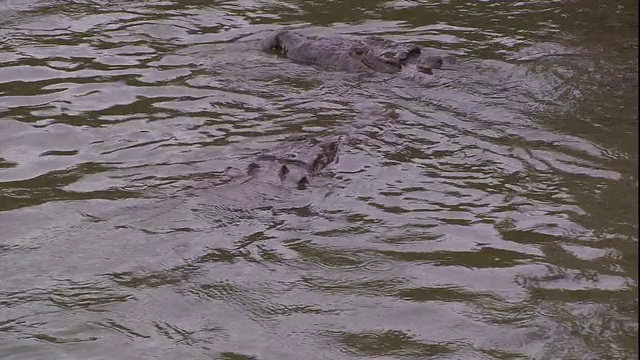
(488, 211)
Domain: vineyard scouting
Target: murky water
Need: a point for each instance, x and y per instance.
(486, 211)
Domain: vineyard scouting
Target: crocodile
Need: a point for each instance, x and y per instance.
(274, 177)
(292, 163)
(408, 54)
(373, 54)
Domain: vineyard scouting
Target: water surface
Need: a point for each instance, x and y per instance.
(488, 211)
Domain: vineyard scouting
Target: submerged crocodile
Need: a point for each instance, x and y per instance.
(347, 54)
(293, 163)
(270, 180)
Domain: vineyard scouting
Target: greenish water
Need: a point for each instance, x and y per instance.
(488, 211)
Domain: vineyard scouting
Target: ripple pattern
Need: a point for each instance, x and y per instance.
(486, 211)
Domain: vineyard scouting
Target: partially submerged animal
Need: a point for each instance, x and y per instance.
(293, 163)
(351, 55)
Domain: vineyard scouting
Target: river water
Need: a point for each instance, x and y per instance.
(486, 211)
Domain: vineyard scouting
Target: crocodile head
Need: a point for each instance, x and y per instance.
(370, 59)
(289, 175)
(294, 162)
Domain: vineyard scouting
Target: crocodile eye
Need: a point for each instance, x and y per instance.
(303, 183)
(357, 51)
(252, 168)
(282, 174)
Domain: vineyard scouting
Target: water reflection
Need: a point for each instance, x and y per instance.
(487, 211)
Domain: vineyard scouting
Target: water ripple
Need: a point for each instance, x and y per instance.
(488, 210)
